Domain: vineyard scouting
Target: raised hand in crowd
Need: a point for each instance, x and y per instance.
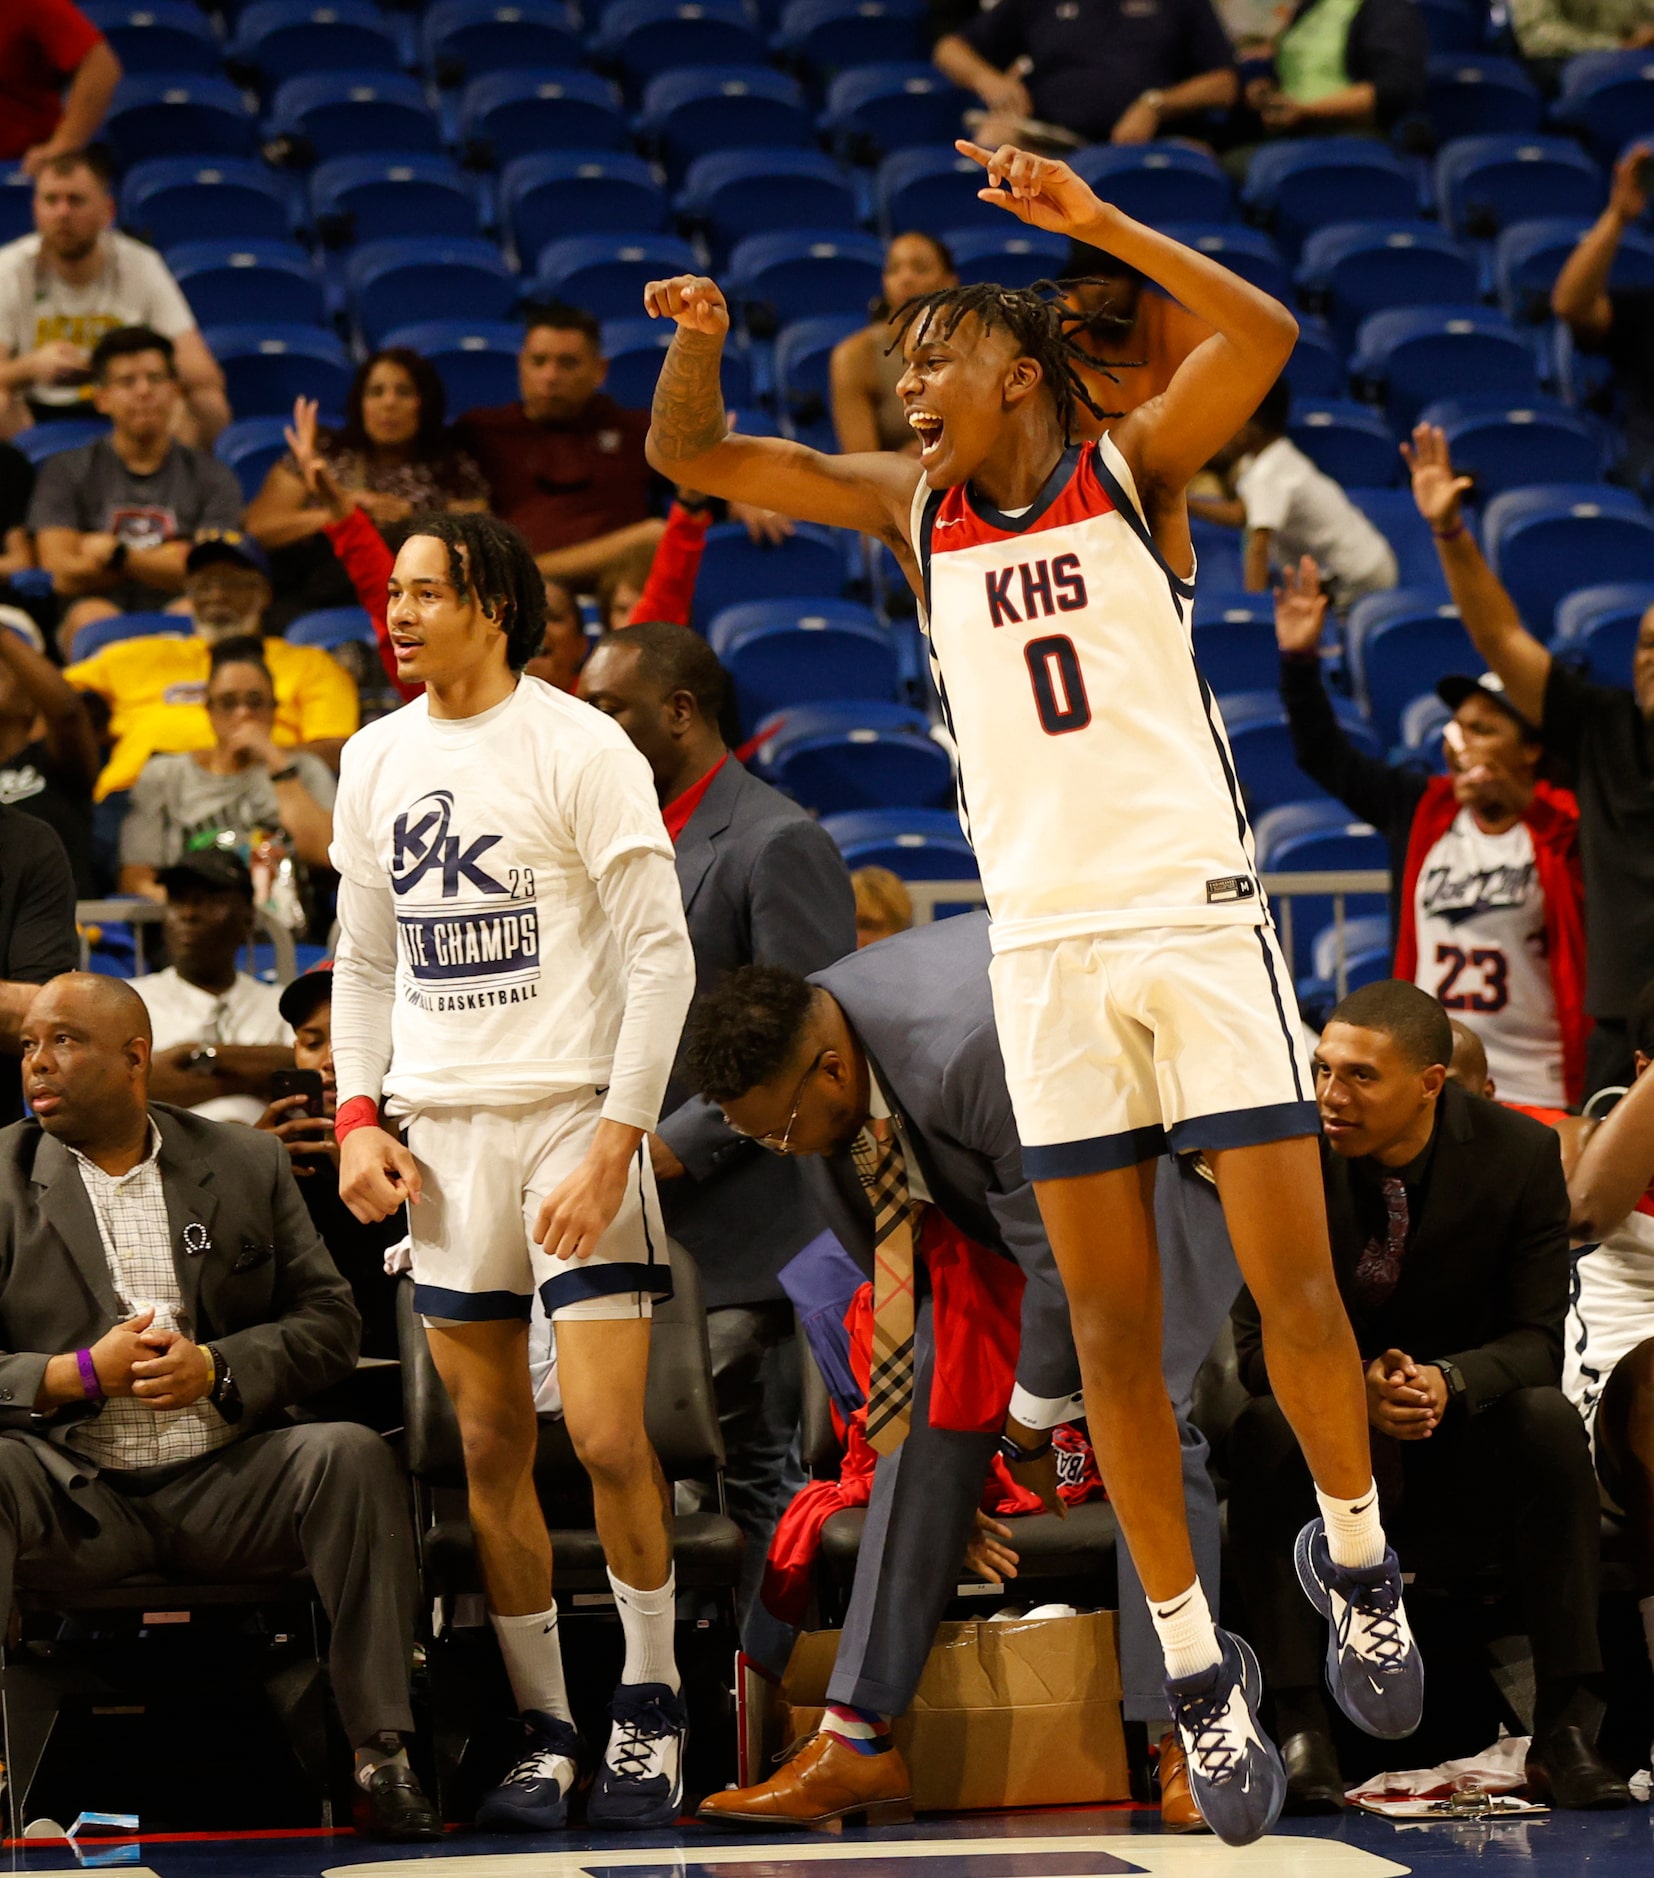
(1437, 491)
(1300, 609)
(301, 437)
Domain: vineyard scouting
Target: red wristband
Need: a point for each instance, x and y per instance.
(358, 1112)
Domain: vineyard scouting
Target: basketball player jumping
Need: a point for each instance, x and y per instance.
(513, 971)
(1139, 992)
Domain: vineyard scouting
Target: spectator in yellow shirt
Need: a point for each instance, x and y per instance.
(156, 688)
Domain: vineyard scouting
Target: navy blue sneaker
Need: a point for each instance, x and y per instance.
(1374, 1669)
(640, 1785)
(534, 1796)
(1235, 1772)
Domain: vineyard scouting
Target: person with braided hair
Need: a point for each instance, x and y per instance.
(1139, 992)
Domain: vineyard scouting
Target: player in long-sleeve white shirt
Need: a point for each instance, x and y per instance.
(513, 972)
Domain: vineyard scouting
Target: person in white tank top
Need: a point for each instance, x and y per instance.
(1139, 991)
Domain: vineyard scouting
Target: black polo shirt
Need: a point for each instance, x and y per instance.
(1093, 58)
(1607, 741)
(37, 923)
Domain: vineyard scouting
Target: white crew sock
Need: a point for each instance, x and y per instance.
(1355, 1536)
(534, 1661)
(1186, 1632)
(647, 1618)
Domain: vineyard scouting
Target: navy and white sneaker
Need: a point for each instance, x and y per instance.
(640, 1785)
(1235, 1770)
(534, 1796)
(1374, 1669)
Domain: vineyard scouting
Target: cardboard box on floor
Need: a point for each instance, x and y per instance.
(1016, 1713)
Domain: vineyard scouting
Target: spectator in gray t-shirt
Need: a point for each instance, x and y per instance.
(113, 521)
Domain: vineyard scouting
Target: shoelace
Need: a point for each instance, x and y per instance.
(1205, 1719)
(629, 1754)
(1379, 1642)
(537, 1764)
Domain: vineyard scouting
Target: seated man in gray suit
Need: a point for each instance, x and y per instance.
(898, 1042)
(163, 1299)
(762, 884)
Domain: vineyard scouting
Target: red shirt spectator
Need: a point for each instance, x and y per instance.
(46, 45)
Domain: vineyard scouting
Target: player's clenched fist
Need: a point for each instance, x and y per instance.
(376, 1174)
(696, 303)
(1035, 189)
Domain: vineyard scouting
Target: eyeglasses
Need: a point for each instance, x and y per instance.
(228, 701)
(773, 1143)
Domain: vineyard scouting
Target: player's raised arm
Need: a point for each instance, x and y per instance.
(690, 441)
(1220, 384)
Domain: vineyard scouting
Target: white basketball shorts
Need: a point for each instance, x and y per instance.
(1119, 1045)
(485, 1172)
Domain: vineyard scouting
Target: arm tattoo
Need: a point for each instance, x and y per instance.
(687, 417)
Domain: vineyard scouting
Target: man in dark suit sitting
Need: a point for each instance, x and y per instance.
(1449, 1218)
(163, 1299)
(762, 884)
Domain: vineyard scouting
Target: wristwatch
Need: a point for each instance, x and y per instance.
(285, 774)
(203, 1060)
(1452, 1376)
(1014, 1455)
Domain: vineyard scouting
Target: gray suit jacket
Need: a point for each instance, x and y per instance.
(920, 1005)
(264, 1289)
(762, 885)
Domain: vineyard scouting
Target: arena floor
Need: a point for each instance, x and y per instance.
(1081, 1843)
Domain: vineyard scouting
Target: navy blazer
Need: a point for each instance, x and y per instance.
(762, 885)
(921, 1009)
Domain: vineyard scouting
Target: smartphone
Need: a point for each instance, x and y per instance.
(292, 1082)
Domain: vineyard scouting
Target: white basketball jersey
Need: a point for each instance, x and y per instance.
(1611, 1310)
(1097, 788)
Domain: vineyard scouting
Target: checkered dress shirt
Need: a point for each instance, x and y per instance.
(131, 1212)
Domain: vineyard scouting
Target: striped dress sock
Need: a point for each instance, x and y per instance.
(864, 1730)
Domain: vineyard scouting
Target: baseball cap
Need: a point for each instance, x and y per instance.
(1457, 686)
(227, 544)
(210, 867)
(300, 998)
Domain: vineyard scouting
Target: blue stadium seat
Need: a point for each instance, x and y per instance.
(246, 283)
(1543, 542)
(1369, 954)
(636, 349)
(1234, 640)
(464, 39)
(1248, 252)
(331, 626)
(1484, 184)
(279, 39)
(266, 369)
(1454, 25)
(426, 277)
(931, 188)
(511, 114)
(782, 277)
(606, 274)
(1601, 624)
(1297, 186)
(809, 565)
(644, 38)
(1158, 182)
(917, 844)
(1351, 442)
(1015, 257)
(1353, 269)
(1418, 354)
(803, 359)
(1478, 95)
(1316, 368)
(1529, 256)
(578, 192)
(1217, 555)
(799, 651)
(1507, 445)
(1396, 644)
(156, 114)
(249, 446)
(860, 755)
(1262, 746)
(16, 202)
(381, 197)
(173, 199)
(41, 441)
(1610, 100)
(833, 35)
(879, 108)
(722, 107)
(157, 35)
(475, 359)
(734, 193)
(120, 626)
(355, 113)
(1394, 514)
(1315, 838)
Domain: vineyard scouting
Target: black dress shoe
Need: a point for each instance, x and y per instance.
(1565, 1769)
(1313, 1783)
(397, 1808)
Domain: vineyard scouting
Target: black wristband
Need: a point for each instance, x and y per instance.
(1014, 1455)
(286, 773)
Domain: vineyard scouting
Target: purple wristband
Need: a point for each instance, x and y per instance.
(89, 1376)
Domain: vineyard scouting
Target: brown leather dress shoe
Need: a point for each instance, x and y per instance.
(823, 1785)
(1178, 1812)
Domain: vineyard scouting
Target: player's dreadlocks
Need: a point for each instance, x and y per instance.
(491, 559)
(1038, 319)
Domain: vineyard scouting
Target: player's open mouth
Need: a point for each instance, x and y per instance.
(403, 646)
(927, 427)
